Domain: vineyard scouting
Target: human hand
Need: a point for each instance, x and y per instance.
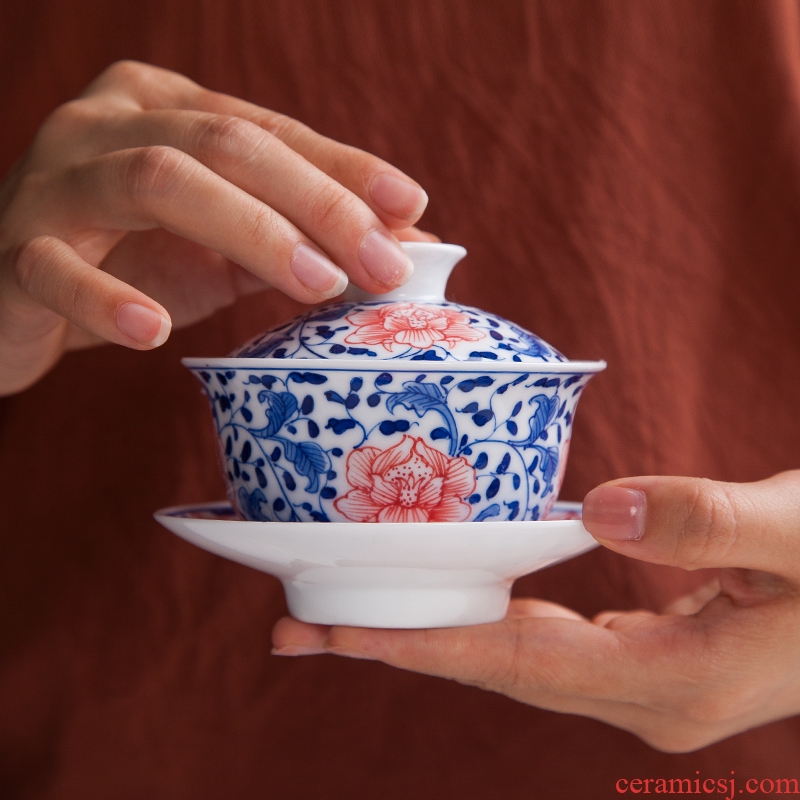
(148, 180)
(713, 664)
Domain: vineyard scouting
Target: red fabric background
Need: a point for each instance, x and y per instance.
(625, 177)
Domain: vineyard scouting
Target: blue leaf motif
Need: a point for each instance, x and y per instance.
(388, 426)
(279, 407)
(334, 397)
(549, 463)
(307, 377)
(546, 408)
(422, 397)
(309, 459)
(251, 504)
(419, 397)
(339, 426)
(483, 417)
(492, 511)
(469, 384)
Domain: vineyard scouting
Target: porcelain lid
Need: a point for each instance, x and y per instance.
(412, 323)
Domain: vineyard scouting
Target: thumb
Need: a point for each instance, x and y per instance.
(695, 523)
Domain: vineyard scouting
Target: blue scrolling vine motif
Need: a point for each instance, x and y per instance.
(285, 433)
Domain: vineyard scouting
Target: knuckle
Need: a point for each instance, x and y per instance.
(67, 122)
(230, 136)
(330, 207)
(257, 226)
(347, 160)
(68, 114)
(125, 71)
(709, 524)
(279, 125)
(155, 170)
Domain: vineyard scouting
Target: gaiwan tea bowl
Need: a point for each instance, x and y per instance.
(400, 407)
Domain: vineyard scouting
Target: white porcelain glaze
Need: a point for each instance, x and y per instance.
(411, 323)
(388, 575)
(318, 417)
(428, 282)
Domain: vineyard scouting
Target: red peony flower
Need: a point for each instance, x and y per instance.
(410, 482)
(413, 324)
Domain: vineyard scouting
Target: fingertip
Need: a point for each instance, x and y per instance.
(289, 634)
(398, 196)
(163, 332)
(317, 273)
(384, 260)
(413, 234)
(615, 513)
(146, 327)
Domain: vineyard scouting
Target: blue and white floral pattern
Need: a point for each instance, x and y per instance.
(285, 433)
(400, 331)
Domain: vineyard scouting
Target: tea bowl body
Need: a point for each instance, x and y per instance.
(394, 442)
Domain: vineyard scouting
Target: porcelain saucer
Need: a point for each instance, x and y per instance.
(416, 575)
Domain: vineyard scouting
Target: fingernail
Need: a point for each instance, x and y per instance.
(316, 272)
(615, 513)
(341, 651)
(298, 650)
(385, 260)
(400, 197)
(142, 324)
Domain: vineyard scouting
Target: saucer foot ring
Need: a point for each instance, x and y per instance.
(388, 607)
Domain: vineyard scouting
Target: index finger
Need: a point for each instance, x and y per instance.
(397, 199)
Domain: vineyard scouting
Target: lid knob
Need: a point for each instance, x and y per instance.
(433, 263)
